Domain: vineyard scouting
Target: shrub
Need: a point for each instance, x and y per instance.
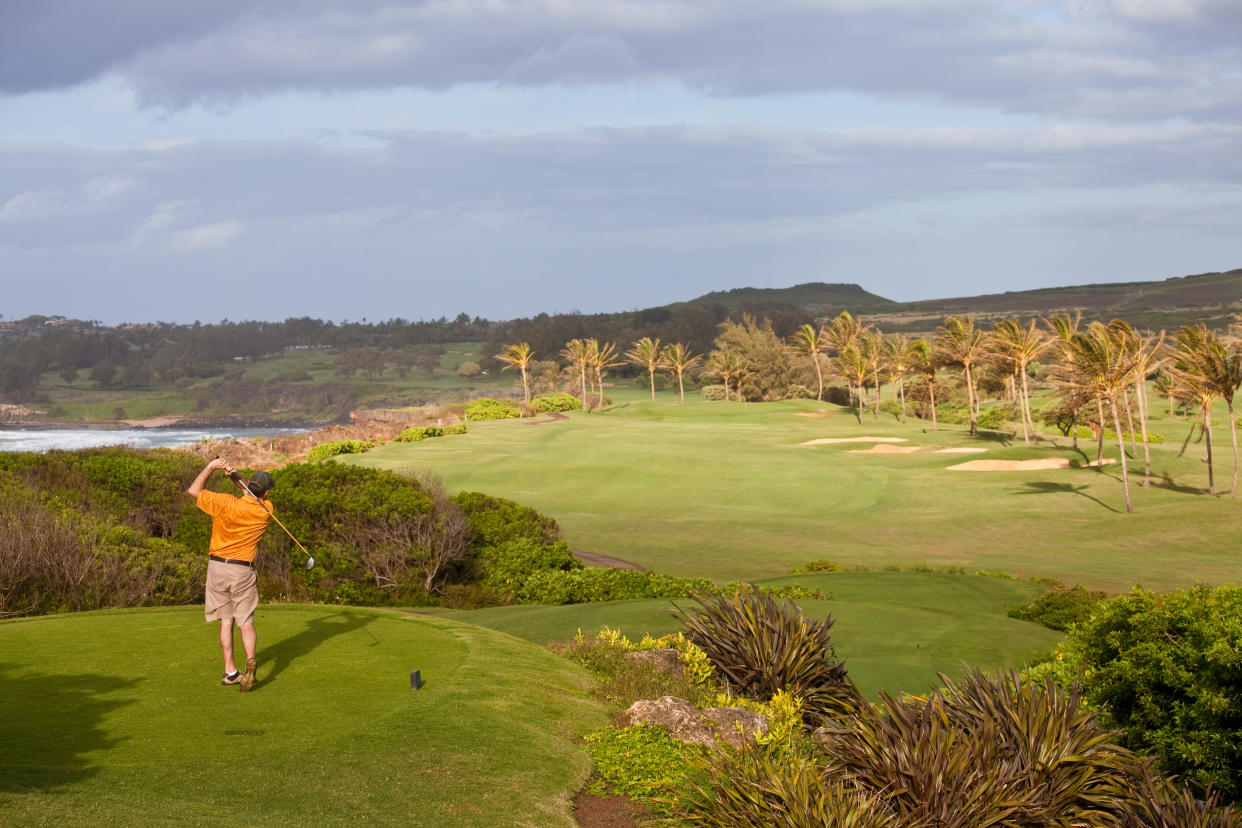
(641, 761)
(582, 586)
(1164, 668)
(413, 435)
(469, 369)
(455, 428)
(715, 393)
(508, 565)
(494, 520)
(560, 401)
(817, 565)
(489, 409)
(1060, 608)
(332, 448)
(997, 417)
(624, 681)
(760, 646)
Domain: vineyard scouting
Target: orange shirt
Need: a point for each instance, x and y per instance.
(237, 523)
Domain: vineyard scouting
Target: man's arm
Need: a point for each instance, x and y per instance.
(196, 488)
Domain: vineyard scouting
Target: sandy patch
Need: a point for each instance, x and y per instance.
(815, 413)
(885, 449)
(960, 451)
(823, 441)
(153, 422)
(1016, 465)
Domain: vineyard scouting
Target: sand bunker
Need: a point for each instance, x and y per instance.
(960, 451)
(826, 440)
(1016, 465)
(815, 413)
(885, 449)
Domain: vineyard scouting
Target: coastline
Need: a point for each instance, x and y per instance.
(163, 422)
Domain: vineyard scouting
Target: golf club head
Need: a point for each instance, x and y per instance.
(310, 563)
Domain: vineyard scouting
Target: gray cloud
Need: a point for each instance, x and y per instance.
(1126, 59)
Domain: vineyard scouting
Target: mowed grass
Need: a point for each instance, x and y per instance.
(726, 490)
(893, 629)
(118, 718)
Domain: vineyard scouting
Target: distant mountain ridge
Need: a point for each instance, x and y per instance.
(810, 296)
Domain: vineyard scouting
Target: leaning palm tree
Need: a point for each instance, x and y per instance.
(841, 333)
(518, 356)
(1147, 360)
(603, 357)
(1062, 328)
(959, 342)
(923, 360)
(728, 366)
(852, 367)
(678, 360)
(579, 352)
(871, 345)
(1105, 364)
(809, 341)
(1015, 348)
(898, 361)
(1204, 366)
(646, 353)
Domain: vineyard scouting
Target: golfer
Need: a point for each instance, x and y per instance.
(237, 524)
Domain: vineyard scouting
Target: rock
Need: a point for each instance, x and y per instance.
(665, 659)
(688, 724)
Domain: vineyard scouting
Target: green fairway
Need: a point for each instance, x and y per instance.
(726, 490)
(893, 629)
(118, 718)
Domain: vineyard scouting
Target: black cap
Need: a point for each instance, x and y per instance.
(260, 483)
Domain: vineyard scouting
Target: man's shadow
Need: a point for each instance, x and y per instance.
(287, 650)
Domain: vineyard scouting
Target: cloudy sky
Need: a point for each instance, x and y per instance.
(374, 159)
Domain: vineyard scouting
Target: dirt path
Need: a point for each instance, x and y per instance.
(606, 561)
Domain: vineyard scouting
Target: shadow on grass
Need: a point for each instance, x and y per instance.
(51, 723)
(1049, 487)
(995, 437)
(1166, 482)
(288, 650)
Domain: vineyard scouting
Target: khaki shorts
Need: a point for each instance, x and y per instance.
(232, 593)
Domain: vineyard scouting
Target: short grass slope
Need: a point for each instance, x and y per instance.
(894, 629)
(119, 718)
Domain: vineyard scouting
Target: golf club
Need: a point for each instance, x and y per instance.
(237, 478)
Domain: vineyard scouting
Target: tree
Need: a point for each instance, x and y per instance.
(579, 353)
(1205, 368)
(1015, 348)
(842, 333)
(646, 353)
(809, 341)
(852, 366)
(924, 361)
(959, 342)
(871, 346)
(1063, 327)
(898, 360)
(728, 366)
(602, 358)
(678, 360)
(768, 359)
(518, 356)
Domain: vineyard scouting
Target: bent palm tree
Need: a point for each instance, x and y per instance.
(852, 366)
(923, 360)
(518, 356)
(579, 354)
(809, 341)
(898, 360)
(959, 342)
(646, 353)
(678, 360)
(1205, 367)
(602, 358)
(1016, 348)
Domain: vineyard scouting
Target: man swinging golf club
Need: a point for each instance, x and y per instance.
(232, 594)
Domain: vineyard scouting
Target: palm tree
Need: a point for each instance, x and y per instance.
(871, 344)
(1205, 367)
(1016, 348)
(579, 354)
(1063, 327)
(852, 366)
(728, 365)
(923, 360)
(603, 358)
(646, 354)
(809, 341)
(518, 356)
(1105, 364)
(844, 332)
(1146, 362)
(678, 360)
(959, 342)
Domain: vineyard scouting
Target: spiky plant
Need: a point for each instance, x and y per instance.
(769, 788)
(759, 646)
(987, 751)
(1160, 804)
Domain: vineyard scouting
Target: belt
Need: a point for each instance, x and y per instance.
(231, 561)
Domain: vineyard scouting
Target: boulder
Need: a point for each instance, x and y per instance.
(665, 659)
(688, 724)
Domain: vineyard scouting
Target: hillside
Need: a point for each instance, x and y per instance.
(813, 297)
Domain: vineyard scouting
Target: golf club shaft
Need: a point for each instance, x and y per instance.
(236, 478)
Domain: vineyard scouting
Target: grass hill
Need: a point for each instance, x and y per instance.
(813, 297)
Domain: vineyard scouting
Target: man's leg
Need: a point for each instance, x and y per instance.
(226, 643)
(250, 639)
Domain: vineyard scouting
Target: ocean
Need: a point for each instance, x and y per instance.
(43, 439)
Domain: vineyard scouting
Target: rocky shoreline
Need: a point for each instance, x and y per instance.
(165, 422)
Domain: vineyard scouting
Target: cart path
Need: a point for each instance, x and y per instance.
(597, 559)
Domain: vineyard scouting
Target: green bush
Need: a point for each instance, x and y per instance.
(588, 585)
(997, 417)
(489, 409)
(1165, 669)
(560, 401)
(716, 393)
(817, 565)
(1059, 609)
(761, 646)
(507, 566)
(494, 520)
(413, 435)
(455, 428)
(332, 448)
(642, 762)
